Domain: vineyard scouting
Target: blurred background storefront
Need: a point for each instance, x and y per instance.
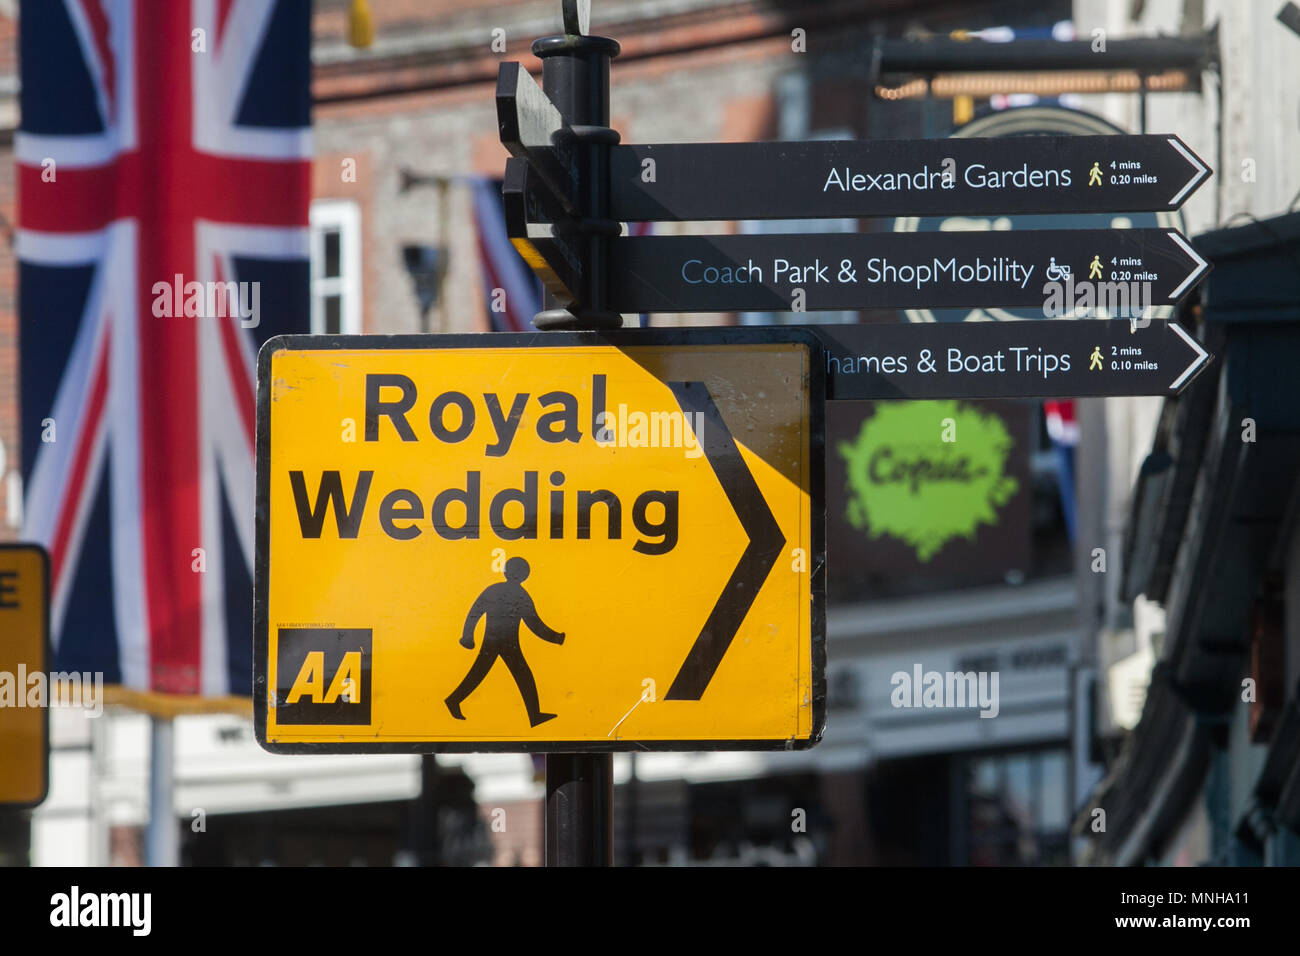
(994, 574)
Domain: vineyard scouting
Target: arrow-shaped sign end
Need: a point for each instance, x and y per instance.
(1202, 357)
(1202, 172)
(1201, 265)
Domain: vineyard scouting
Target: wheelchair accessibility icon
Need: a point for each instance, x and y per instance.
(1055, 272)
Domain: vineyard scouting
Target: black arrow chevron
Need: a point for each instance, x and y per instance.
(761, 554)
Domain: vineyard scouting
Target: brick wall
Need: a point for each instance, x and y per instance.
(8, 335)
(9, 437)
(8, 46)
(392, 18)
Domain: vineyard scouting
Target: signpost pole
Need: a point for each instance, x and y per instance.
(162, 837)
(579, 804)
(575, 76)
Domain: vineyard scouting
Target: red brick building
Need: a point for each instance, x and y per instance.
(8, 276)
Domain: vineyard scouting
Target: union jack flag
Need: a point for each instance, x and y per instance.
(163, 143)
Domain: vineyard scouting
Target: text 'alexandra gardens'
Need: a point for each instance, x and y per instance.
(522, 510)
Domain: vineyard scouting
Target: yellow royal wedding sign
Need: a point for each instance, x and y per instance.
(553, 542)
(24, 660)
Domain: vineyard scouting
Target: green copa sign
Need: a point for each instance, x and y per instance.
(928, 472)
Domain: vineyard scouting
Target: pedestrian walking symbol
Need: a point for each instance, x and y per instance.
(1094, 175)
(1096, 364)
(1094, 269)
(505, 605)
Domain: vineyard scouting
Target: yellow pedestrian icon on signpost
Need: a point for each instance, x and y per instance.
(1094, 175)
(1095, 363)
(1094, 269)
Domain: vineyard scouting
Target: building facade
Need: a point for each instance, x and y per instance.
(1195, 626)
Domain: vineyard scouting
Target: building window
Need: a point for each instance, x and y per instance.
(335, 268)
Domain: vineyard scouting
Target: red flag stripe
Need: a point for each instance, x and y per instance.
(86, 438)
(161, 181)
(243, 191)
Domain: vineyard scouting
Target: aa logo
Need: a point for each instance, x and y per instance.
(323, 675)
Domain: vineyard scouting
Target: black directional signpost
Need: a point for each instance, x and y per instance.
(532, 129)
(903, 270)
(1008, 359)
(532, 212)
(570, 185)
(922, 177)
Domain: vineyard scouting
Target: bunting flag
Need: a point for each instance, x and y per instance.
(1063, 430)
(511, 289)
(512, 292)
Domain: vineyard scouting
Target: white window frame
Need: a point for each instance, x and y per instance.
(345, 216)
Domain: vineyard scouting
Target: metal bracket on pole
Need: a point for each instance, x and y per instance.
(575, 77)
